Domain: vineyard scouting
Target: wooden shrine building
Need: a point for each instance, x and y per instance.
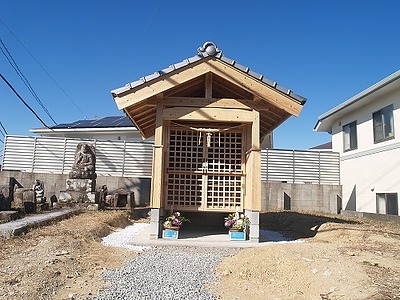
(208, 115)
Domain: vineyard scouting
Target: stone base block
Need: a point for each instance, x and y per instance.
(80, 185)
(156, 217)
(254, 217)
(64, 197)
(77, 197)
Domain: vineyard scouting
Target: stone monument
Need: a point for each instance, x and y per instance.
(80, 186)
(84, 166)
(38, 196)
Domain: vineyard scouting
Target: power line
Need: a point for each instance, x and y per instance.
(43, 68)
(23, 101)
(2, 133)
(25, 80)
(5, 131)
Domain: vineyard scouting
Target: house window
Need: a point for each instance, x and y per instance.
(350, 136)
(383, 124)
(387, 203)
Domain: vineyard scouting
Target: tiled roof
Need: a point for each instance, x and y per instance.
(207, 50)
(106, 122)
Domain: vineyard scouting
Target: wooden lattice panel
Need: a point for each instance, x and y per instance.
(185, 169)
(184, 190)
(225, 153)
(225, 171)
(204, 170)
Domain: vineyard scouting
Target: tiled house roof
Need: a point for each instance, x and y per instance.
(208, 49)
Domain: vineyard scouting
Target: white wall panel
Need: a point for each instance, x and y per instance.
(134, 159)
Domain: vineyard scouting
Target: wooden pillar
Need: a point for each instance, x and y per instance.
(256, 163)
(157, 168)
(253, 165)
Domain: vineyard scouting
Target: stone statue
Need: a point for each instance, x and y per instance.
(38, 190)
(85, 161)
(102, 197)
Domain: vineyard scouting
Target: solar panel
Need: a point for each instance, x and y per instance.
(112, 121)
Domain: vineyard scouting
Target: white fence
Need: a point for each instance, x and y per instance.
(133, 159)
(56, 155)
(295, 166)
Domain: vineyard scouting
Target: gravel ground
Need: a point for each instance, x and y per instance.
(122, 237)
(166, 273)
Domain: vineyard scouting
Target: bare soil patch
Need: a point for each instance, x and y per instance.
(61, 261)
(339, 258)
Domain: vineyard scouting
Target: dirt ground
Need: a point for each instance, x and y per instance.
(335, 258)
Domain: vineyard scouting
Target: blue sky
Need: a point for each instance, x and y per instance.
(326, 51)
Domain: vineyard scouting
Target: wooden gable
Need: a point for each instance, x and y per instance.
(209, 90)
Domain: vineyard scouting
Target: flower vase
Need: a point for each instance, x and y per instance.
(237, 235)
(171, 232)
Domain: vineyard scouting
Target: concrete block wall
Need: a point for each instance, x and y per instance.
(54, 183)
(312, 197)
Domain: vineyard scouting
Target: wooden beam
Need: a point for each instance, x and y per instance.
(208, 86)
(208, 114)
(212, 102)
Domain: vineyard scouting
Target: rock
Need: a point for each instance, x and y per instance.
(226, 272)
(61, 252)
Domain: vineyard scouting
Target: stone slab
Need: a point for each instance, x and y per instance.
(22, 226)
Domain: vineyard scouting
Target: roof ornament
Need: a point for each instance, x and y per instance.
(208, 48)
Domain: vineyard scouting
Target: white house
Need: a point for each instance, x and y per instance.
(365, 131)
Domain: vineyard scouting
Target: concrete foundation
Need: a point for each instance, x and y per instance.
(254, 217)
(156, 220)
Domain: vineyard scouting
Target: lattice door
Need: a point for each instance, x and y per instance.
(204, 170)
